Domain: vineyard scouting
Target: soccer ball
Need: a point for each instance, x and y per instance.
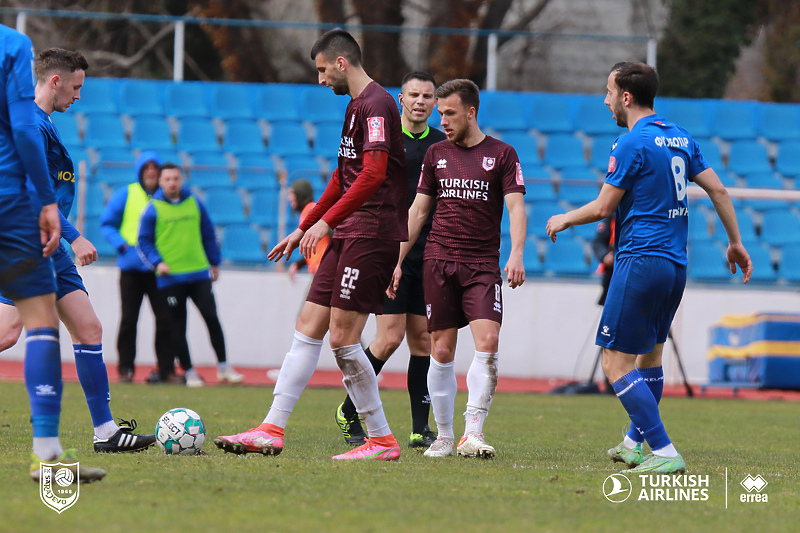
(180, 431)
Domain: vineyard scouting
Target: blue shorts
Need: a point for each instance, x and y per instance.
(67, 278)
(642, 299)
(24, 273)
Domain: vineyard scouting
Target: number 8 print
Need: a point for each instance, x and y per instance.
(678, 167)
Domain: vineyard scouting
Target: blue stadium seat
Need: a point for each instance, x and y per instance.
(747, 228)
(707, 263)
(241, 243)
(578, 194)
(711, 154)
(151, 132)
(288, 138)
(98, 96)
(276, 103)
(779, 122)
(748, 157)
(538, 215)
(579, 174)
(539, 191)
(139, 98)
(601, 151)
(502, 112)
(788, 161)
(297, 165)
(763, 269)
(699, 229)
(733, 121)
(779, 227)
(116, 175)
(550, 114)
(224, 206)
(184, 100)
(95, 201)
(566, 257)
(726, 178)
(264, 207)
(691, 116)
(564, 150)
(319, 104)
(525, 146)
(197, 135)
(231, 101)
(105, 131)
(327, 139)
(530, 258)
(594, 118)
(587, 232)
(67, 128)
(77, 154)
(209, 169)
(243, 136)
(763, 180)
(505, 250)
(170, 156)
(789, 267)
(255, 171)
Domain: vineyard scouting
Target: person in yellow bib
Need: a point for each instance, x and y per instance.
(119, 224)
(177, 240)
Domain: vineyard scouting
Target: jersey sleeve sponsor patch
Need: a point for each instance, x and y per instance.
(421, 173)
(376, 129)
(612, 164)
(520, 179)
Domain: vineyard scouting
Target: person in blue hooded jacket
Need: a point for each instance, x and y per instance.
(119, 224)
(177, 240)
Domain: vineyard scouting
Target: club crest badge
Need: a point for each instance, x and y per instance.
(59, 485)
(488, 163)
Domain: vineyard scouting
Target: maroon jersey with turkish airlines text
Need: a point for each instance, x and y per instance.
(372, 122)
(470, 185)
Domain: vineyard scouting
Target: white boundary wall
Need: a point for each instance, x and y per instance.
(548, 329)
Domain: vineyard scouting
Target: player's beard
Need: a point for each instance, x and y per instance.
(339, 85)
(619, 115)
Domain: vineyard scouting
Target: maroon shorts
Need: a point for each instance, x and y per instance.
(354, 273)
(458, 293)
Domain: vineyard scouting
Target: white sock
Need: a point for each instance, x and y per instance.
(362, 386)
(297, 368)
(442, 387)
(482, 383)
(191, 372)
(222, 366)
(629, 442)
(47, 448)
(106, 430)
(667, 451)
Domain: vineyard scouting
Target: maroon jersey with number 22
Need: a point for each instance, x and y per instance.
(470, 185)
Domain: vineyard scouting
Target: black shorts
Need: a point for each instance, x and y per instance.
(410, 296)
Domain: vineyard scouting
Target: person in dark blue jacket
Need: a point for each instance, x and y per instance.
(177, 240)
(119, 224)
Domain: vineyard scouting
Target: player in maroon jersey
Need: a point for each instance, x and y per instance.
(470, 175)
(366, 202)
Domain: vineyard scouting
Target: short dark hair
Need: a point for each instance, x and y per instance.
(336, 43)
(418, 75)
(466, 89)
(58, 59)
(638, 79)
(168, 166)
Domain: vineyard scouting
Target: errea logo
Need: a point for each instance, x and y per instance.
(753, 485)
(442, 163)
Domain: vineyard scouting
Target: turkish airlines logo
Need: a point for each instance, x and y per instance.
(376, 130)
(617, 488)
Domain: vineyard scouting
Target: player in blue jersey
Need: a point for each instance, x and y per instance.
(648, 172)
(26, 271)
(60, 74)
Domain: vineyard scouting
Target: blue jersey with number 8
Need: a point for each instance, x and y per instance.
(654, 163)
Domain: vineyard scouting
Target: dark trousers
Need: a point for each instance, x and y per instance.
(132, 288)
(203, 297)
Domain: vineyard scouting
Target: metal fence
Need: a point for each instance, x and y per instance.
(179, 27)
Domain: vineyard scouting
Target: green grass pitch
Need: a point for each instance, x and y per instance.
(548, 474)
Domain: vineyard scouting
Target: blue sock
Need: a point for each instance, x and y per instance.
(654, 379)
(43, 380)
(642, 408)
(93, 376)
